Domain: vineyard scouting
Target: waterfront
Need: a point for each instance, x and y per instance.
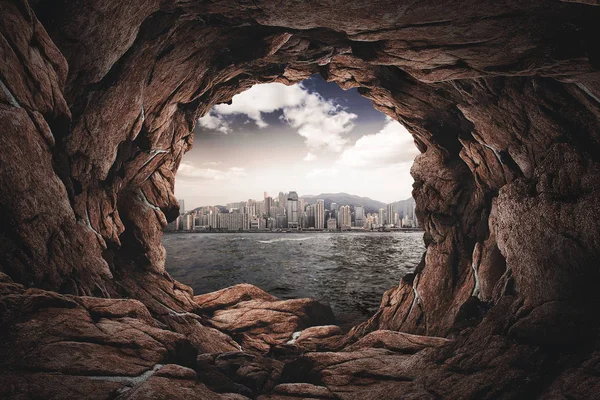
(350, 271)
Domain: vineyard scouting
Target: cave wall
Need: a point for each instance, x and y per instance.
(100, 99)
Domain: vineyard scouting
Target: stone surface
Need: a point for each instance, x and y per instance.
(257, 320)
(98, 101)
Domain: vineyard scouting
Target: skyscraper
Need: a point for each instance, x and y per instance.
(251, 208)
(282, 199)
(268, 205)
(381, 217)
(344, 217)
(359, 216)
(390, 214)
(181, 206)
(280, 221)
(310, 214)
(292, 210)
(334, 209)
(320, 214)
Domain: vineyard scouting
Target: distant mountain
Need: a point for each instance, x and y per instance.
(402, 207)
(405, 207)
(342, 199)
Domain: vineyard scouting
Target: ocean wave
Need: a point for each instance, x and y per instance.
(284, 240)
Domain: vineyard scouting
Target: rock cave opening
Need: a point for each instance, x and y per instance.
(313, 137)
(98, 104)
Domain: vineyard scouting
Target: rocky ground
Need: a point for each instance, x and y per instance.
(64, 346)
(245, 343)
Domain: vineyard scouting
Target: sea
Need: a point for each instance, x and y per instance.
(348, 270)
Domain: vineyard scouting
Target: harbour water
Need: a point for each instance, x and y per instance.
(349, 271)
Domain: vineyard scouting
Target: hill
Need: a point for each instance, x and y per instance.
(370, 205)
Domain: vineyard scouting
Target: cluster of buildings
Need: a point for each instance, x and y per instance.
(287, 211)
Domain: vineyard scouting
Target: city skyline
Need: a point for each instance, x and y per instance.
(313, 136)
(289, 212)
(266, 194)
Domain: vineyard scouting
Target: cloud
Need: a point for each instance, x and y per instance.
(215, 122)
(322, 173)
(191, 171)
(322, 123)
(393, 144)
(310, 157)
(265, 98)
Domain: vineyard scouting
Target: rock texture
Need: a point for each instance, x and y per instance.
(257, 320)
(98, 101)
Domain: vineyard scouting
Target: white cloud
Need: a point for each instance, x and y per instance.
(310, 157)
(260, 99)
(191, 171)
(391, 145)
(322, 173)
(322, 123)
(215, 122)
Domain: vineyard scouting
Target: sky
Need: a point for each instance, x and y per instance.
(312, 137)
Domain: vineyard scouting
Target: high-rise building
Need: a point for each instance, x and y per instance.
(181, 206)
(303, 220)
(251, 208)
(292, 210)
(281, 221)
(369, 222)
(390, 214)
(359, 216)
(334, 209)
(310, 215)
(344, 218)
(381, 217)
(282, 199)
(268, 206)
(213, 218)
(320, 214)
(301, 207)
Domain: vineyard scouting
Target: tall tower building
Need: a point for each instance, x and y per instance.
(292, 210)
(390, 214)
(268, 205)
(381, 217)
(301, 207)
(282, 199)
(359, 216)
(344, 217)
(181, 206)
(310, 214)
(320, 214)
(334, 209)
(251, 208)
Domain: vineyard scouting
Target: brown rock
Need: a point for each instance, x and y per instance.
(97, 105)
(257, 320)
(298, 391)
(397, 341)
